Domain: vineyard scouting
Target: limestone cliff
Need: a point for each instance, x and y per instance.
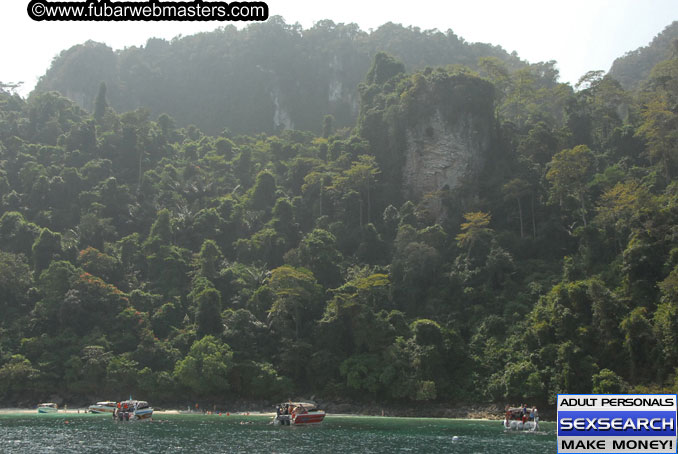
(431, 131)
(440, 155)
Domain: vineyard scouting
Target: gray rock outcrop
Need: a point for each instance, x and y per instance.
(441, 155)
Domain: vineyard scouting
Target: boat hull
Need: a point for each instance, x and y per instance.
(144, 414)
(101, 409)
(529, 426)
(133, 410)
(44, 408)
(47, 410)
(310, 418)
(302, 419)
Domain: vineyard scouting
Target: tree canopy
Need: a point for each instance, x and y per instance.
(175, 258)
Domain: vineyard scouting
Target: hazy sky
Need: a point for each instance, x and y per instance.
(581, 35)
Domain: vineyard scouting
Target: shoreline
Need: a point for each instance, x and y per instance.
(166, 412)
(338, 410)
(84, 411)
(490, 412)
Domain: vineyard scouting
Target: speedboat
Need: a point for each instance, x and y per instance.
(298, 413)
(133, 410)
(519, 418)
(103, 407)
(48, 407)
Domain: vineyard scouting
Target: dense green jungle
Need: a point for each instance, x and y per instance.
(396, 216)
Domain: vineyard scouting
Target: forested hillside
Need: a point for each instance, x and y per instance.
(633, 69)
(264, 78)
(142, 257)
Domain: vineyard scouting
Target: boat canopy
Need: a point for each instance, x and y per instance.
(135, 403)
(307, 405)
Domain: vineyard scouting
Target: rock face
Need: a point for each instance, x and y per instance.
(431, 132)
(440, 155)
(281, 118)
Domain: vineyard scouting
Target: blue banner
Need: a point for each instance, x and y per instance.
(617, 423)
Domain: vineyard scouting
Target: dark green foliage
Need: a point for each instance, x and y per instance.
(108, 268)
(390, 107)
(15, 280)
(262, 78)
(136, 256)
(46, 248)
(607, 382)
(208, 314)
(634, 67)
(263, 193)
(100, 104)
(18, 377)
(204, 370)
(16, 234)
(318, 252)
(384, 67)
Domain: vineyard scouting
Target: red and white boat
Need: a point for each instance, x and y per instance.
(298, 413)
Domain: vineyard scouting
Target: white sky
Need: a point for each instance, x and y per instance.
(581, 35)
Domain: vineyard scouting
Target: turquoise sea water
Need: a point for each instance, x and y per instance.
(85, 433)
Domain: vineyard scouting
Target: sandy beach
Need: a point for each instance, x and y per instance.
(74, 411)
(244, 408)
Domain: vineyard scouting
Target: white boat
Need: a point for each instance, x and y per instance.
(48, 407)
(521, 418)
(103, 407)
(133, 410)
(298, 413)
(530, 426)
